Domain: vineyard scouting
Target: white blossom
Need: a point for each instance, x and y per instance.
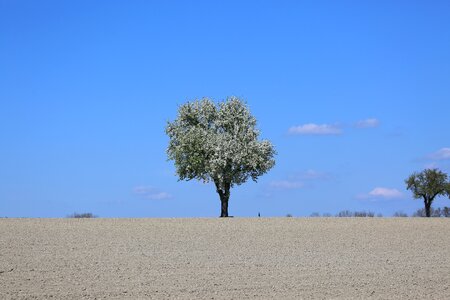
(219, 143)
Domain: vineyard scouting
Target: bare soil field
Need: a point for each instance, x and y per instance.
(234, 258)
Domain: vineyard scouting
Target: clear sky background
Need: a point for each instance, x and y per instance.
(355, 96)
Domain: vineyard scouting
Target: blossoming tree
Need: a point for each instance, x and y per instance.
(218, 143)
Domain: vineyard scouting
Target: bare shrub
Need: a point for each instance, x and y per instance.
(358, 214)
(288, 216)
(434, 212)
(82, 215)
(364, 214)
(344, 214)
(419, 213)
(446, 212)
(400, 214)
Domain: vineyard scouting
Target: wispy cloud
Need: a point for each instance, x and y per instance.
(382, 193)
(286, 184)
(330, 129)
(315, 129)
(385, 193)
(152, 193)
(313, 175)
(431, 165)
(368, 123)
(441, 154)
(299, 180)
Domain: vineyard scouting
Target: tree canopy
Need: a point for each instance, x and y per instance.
(218, 143)
(427, 185)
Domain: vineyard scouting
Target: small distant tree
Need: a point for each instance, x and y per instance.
(400, 214)
(434, 212)
(356, 214)
(427, 185)
(82, 215)
(218, 143)
(446, 212)
(344, 214)
(364, 214)
(419, 213)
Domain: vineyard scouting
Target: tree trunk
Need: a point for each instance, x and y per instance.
(224, 194)
(427, 208)
(224, 206)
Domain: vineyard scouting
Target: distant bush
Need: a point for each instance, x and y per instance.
(344, 214)
(288, 216)
(419, 213)
(400, 214)
(379, 215)
(446, 212)
(82, 215)
(434, 212)
(314, 215)
(357, 214)
(327, 215)
(364, 214)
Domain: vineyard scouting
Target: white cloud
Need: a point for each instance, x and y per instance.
(314, 175)
(385, 193)
(286, 184)
(381, 192)
(441, 154)
(315, 129)
(300, 180)
(368, 123)
(152, 193)
(159, 196)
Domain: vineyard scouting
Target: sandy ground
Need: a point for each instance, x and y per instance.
(282, 258)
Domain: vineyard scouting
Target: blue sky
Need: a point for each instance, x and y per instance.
(355, 95)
